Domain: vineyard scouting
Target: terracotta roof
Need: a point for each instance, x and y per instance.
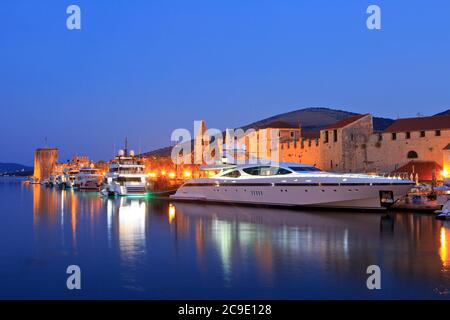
(420, 124)
(423, 168)
(345, 122)
(311, 135)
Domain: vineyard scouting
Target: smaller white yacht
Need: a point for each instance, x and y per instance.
(69, 177)
(126, 176)
(51, 182)
(88, 178)
(61, 180)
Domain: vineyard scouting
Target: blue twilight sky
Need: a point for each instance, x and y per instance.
(144, 67)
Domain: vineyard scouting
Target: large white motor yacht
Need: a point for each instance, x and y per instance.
(126, 176)
(88, 178)
(291, 184)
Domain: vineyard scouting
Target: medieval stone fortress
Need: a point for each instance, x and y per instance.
(417, 147)
(352, 145)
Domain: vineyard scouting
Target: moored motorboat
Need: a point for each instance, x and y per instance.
(291, 184)
(444, 213)
(126, 176)
(88, 178)
(69, 178)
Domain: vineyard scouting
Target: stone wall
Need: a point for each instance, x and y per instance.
(386, 155)
(345, 150)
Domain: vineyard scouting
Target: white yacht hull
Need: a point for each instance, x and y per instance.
(86, 184)
(357, 197)
(127, 190)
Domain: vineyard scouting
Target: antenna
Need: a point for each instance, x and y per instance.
(126, 147)
(45, 142)
(139, 146)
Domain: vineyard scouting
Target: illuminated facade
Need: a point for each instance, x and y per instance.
(45, 160)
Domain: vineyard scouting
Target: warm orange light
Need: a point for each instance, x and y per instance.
(443, 247)
(444, 173)
(152, 174)
(211, 173)
(171, 174)
(171, 212)
(163, 172)
(187, 174)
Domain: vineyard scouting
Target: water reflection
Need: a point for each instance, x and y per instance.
(287, 253)
(410, 247)
(64, 208)
(129, 217)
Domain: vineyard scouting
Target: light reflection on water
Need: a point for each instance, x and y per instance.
(140, 248)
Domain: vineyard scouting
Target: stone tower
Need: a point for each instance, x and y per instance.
(44, 162)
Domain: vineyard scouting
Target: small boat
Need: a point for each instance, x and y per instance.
(70, 178)
(88, 178)
(444, 213)
(51, 181)
(61, 181)
(66, 179)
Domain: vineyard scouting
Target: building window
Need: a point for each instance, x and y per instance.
(412, 155)
(292, 134)
(335, 135)
(408, 135)
(326, 136)
(309, 143)
(394, 136)
(438, 133)
(351, 137)
(380, 137)
(422, 134)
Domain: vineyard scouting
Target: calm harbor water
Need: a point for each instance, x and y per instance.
(152, 249)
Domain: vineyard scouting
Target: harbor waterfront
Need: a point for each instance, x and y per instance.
(147, 248)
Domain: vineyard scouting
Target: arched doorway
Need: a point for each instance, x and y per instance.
(412, 155)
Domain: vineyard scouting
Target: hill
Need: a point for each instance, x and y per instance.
(15, 169)
(445, 113)
(310, 119)
(313, 119)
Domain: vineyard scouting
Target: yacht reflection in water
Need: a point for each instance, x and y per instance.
(339, 246)
(126, 221)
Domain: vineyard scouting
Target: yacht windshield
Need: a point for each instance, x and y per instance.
(303, 169)
(232, 174)
(266, 171)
